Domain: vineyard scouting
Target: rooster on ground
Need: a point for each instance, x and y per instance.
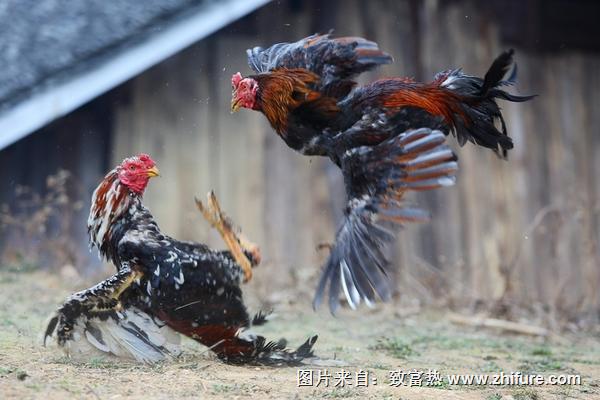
(162, 285)
(387, 137)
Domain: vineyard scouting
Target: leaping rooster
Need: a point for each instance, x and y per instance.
(387, 137)
(162, 285)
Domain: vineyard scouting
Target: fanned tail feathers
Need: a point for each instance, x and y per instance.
(478, 108)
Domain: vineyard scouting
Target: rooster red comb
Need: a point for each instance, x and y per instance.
(236, 79)
(142, 160)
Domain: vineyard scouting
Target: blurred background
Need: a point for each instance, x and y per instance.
(86, 83)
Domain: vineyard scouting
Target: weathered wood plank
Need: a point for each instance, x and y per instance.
(535, 213)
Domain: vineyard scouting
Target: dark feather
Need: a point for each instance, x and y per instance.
(496, 72)
(162, 281)
(376, 178)
(333, 59)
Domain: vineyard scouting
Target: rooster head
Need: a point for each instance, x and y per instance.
(135, 172)
(113, 196)
(243, 92)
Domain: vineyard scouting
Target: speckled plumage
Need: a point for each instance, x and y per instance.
(161, 281)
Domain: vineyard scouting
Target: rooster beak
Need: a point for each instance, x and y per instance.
(235, 103)
(152, 172)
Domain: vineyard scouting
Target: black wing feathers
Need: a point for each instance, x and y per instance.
(335, 60)
(376, 179)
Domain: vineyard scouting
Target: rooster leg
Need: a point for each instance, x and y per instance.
(234, 241)
(247, 245)
(101, 299)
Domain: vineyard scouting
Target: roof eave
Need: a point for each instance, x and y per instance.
(47, 105)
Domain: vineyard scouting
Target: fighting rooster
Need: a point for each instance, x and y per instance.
(162, 285)
(387, 137)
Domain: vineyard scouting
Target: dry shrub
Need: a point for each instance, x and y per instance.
(35, 228)
(567, 271)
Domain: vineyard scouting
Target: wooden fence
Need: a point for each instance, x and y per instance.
(526, 228)
(524, 231)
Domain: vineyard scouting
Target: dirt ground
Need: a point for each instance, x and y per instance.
(351, 345)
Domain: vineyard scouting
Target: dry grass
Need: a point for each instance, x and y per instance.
(377, 341)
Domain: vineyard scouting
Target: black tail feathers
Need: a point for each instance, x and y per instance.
(261, 318)
(274, 353)
(494, 79)
(480, 111)
(496, 72)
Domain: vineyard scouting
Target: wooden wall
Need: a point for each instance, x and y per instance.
(51, 234)
(534, 219)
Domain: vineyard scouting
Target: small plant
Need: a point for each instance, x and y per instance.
(98, 362)
(443, 384)
(230, 388)
(221, 388)
(491, 366)
(543, 365)
(380, 366)
(526, 394)
(395, 347)
(541, 351)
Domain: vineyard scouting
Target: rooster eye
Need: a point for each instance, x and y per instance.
(132, 167)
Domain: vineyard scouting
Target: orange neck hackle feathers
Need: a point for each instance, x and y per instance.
(283, 90)
(429, 97)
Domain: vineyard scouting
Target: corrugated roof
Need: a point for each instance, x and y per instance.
(56, 54)
(43, 39)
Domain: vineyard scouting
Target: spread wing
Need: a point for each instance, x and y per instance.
(333, 59)
(376, 179)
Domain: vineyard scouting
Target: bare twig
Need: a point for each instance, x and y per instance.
(493, 323)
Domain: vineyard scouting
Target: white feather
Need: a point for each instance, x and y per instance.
(122, 338)
(351, 292)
